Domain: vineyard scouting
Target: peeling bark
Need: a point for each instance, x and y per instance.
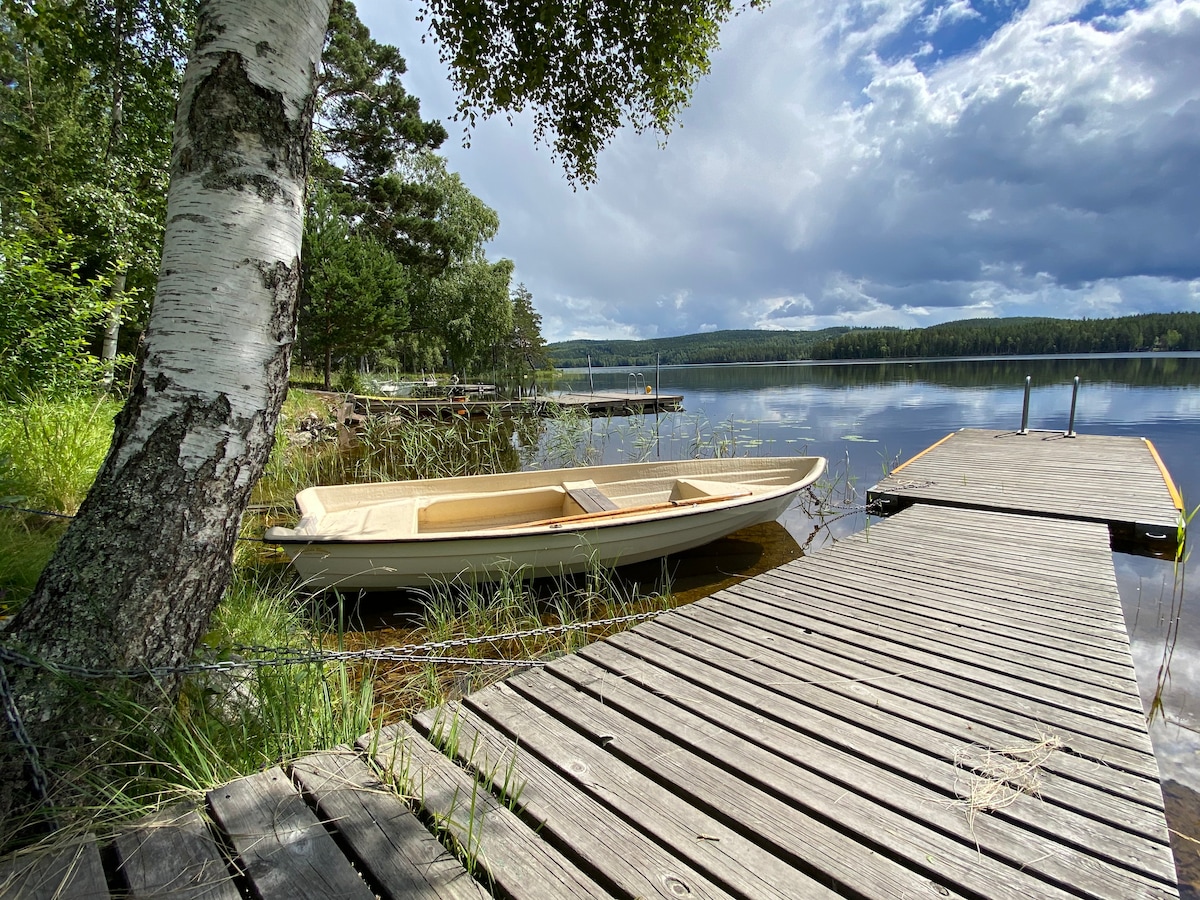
(144, 564)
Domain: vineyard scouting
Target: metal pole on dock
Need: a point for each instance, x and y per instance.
(591, 384)
(1025, 408)
(1071, 421)
(657, 406)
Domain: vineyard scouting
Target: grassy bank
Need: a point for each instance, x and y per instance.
(233, 721)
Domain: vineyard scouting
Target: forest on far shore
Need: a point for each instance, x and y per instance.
(1176, 331)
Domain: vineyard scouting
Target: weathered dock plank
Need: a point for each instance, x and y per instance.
(174, 854)
(600, 403)
(850, 712)
(897, 687)
(723, 776)
(874, 733)
(398, 852)
(1119, 481)
(283, 848)
(72, 871)
(908, 791)
(631, 862)
(499, 844)
(595, 403)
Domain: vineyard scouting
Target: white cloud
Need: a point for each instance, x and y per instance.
(820, 177)
(954, 11)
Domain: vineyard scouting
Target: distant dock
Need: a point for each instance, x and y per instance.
(594, 403)
(615, 403)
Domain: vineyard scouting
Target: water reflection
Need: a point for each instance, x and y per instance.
(705, 570)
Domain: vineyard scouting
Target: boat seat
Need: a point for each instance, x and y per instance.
(589, 497)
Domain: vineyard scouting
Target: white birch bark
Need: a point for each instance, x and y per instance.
(141, 568)
(112, 329)
(233, 222)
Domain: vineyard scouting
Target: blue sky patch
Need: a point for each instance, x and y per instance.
(1104, 15)
(945, 30)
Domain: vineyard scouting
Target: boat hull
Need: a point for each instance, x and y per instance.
(370, 559)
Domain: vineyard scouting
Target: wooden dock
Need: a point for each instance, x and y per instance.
(597, 403)
(615, 403)
(942, 705)
(1119, 481)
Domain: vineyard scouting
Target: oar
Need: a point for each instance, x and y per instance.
(629, 510)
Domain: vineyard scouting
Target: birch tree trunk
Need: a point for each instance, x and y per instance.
(112, 328)
(116, 127)
(146, 560)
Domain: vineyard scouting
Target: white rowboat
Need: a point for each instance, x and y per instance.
(412, 533)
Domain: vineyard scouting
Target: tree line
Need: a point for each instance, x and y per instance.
(1018, 337)
(730, 346)
(970, 337)
(394, 248)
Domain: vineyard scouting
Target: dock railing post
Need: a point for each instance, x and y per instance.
(1071, 421)
(1025, 408)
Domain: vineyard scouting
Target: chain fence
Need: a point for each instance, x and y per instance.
(261, 656)
(36, 512)
(37, 774)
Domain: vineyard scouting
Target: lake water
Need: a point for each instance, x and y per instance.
(866, 418)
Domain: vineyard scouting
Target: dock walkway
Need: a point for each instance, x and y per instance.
(601, 403)
(594, 403)
(942, 705)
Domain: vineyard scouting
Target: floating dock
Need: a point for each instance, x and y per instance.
(1118, 481)
(942, 705)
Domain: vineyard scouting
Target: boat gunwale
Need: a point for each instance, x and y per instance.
(584, 525)
(561, 528)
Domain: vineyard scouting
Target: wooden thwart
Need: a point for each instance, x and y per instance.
(590, 498)
(631, 510)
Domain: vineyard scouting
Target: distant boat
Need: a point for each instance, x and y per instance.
(403, 388)
(412, 533)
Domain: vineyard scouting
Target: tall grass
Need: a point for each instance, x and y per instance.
(50, 451)
(227, 722)
(504, 620)
(28, 546)
(397, 448)
(571, 438)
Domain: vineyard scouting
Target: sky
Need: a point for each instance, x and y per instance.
(871, 162)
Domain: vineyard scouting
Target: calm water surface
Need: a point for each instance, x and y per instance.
(868, 417)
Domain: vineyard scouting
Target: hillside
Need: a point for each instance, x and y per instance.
(696, 349)
(1022, 335)
(1018, 336)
